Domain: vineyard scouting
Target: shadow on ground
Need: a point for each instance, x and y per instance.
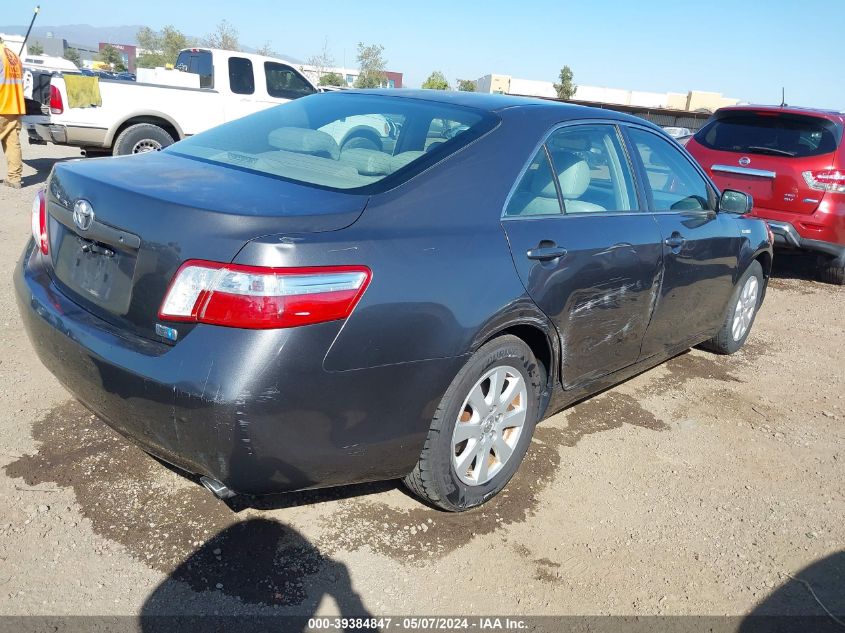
(42, 167)
(258, 561)
(811, 600)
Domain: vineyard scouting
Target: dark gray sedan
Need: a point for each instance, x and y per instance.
(271, 312)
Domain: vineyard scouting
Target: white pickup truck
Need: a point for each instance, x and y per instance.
(207, 88)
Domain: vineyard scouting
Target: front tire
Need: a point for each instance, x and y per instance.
(742, 310)
(482, 428)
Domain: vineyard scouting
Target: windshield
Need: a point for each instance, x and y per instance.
(785, 135)
(345, 141)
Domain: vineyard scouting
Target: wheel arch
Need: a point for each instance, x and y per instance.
(153, 118)
(531, 326)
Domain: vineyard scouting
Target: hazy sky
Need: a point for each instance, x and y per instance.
(743, 49)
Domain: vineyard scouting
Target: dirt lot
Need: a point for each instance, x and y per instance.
(699, 487)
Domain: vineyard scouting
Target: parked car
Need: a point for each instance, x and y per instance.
(677, 132)
(792, 161)
(285, 314)
(211, 87)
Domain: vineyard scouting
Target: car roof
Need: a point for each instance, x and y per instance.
(785, 109)
(499, 102)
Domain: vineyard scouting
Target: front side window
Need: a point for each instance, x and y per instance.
(592, 171)
(674, 183)
(340, 140)
(283, 82)
(241, 77)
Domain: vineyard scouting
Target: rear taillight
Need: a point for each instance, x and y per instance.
(56, 104)
(830, 180)
(39, 222)
(261, 298)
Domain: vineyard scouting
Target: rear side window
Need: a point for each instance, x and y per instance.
(536, 193)
(787, 135)
(198, 63)
(241, 77)
(283, 82)
(344, 141)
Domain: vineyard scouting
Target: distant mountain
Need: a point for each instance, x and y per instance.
(85, 34)
(81, 33)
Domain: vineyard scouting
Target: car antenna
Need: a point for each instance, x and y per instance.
(782, 97)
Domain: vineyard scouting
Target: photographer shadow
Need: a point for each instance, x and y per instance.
(260, 562)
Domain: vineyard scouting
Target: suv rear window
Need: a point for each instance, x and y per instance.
(342, 141)
(788, 135)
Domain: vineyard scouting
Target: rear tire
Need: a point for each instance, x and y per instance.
(741, 312)
(449, 474)
(141, 138)
(832, 271)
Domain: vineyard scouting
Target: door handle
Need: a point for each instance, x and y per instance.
(546, 251)
(675, 241)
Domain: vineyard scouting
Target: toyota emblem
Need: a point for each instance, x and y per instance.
(83, 215)
(745, 161)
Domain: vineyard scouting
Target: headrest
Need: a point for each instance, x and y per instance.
(304, 141)
(368, 162)
(573, 175)
(400, 160)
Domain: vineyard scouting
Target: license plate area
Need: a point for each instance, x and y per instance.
(98, 272)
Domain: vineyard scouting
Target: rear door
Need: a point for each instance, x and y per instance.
(699, 246)
(586, 251)
(766, 153)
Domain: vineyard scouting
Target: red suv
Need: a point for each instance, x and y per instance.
(792, 162)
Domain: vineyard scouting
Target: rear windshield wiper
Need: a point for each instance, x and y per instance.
(770, 150)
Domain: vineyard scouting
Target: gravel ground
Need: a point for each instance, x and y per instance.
(709, 485)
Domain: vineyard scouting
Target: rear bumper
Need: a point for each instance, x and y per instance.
(67, 134)
(252, 409)
(787, 236)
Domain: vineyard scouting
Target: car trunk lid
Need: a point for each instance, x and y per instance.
(152, 212)
(766, 153)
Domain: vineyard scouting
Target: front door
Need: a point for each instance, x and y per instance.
(699, 249)
(586, 252)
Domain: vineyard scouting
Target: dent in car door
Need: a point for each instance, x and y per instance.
(585, 253)
(700, 246)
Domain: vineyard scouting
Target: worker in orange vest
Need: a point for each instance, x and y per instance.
(11, 109)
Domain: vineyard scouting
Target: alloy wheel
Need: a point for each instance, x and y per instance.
(745, 307)
(489, 425)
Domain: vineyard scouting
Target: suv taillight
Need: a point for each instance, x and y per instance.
(56, 104)
(256, 297)
(39, 222)
(830, 180)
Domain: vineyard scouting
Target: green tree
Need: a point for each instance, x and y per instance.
(72, 55)
(332, 79)
(436, 81)
(466, 85)
(160, 48)
(35, 49)
(565, 89)
(371, 66)
(225, 36)
(111, 56)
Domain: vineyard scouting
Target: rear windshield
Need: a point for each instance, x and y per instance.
(786, 135)
(344, 141)
(198, 63)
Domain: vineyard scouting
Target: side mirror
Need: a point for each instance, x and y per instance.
(735, 202)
